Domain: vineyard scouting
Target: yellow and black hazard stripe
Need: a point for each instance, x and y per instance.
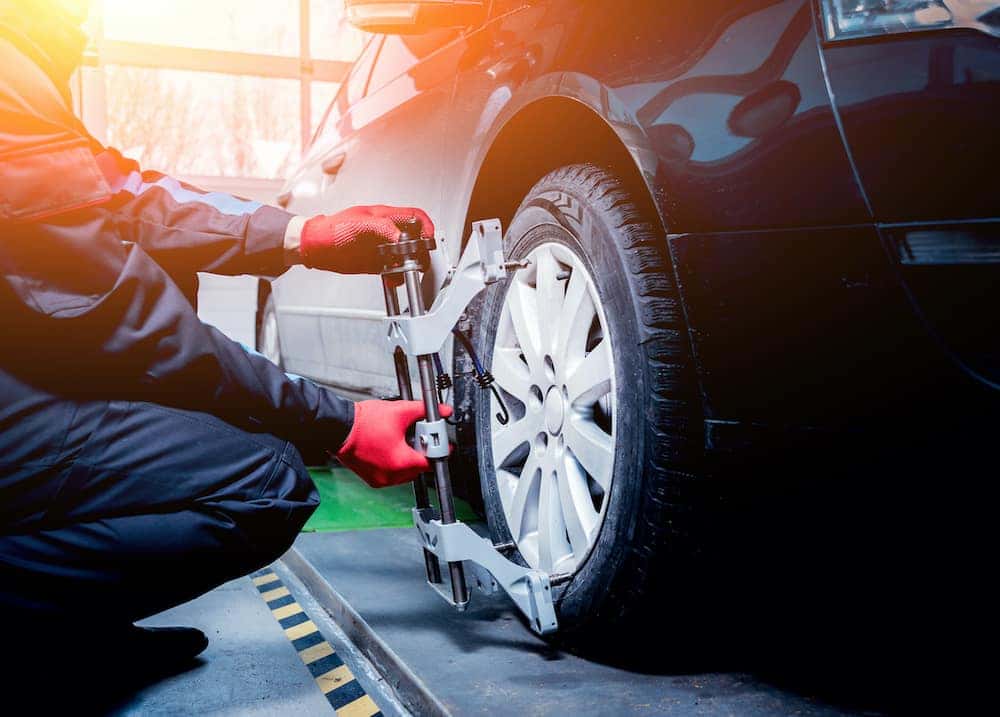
(344, 693)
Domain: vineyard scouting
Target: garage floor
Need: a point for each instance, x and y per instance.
(487, 662)
(272, 651)
(348, 504)
(249, 667)
(344, 624)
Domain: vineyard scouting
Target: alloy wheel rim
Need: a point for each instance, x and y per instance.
(554, 362)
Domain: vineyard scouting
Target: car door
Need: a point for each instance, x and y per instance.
(303, 296)
(917, 89)
(389, 152)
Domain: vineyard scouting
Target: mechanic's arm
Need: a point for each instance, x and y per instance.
(96, 318)
(187, 229)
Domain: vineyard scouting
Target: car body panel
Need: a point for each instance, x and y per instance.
(806, 327)
(729, 182)
(717, 173)
(348, 309)
(919, 113)
(725, 111)
(780, 183)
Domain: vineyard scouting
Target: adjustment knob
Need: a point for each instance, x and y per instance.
(410, 229)
(410, 246)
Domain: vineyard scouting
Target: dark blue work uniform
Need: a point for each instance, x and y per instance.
(144, 457)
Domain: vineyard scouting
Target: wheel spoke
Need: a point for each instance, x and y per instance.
(593, 448)
(506, 485)
(511, 373)
(574, 319)
(508, 439)
(591, 378)
(552, 544)
(550, 292)
(520, 504)
(523, 306)
(577, 508)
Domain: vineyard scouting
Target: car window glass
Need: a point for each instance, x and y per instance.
(401, 52)
(358, 79)
(350, 91)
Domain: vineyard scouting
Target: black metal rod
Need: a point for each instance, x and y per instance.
(442, 479)
(421, 495)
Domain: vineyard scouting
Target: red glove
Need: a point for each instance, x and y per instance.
(347, 242)
(377, 449)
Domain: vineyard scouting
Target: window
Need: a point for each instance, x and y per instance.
(323, 94)
(350, 92)
(401, 52)
(228, 88)
(202, 123)
(269, 27)
(358, 79)
(331, 37)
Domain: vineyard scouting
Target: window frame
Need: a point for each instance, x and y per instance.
(342, 88)
(420, 60)
(90, 101)
(376, 54)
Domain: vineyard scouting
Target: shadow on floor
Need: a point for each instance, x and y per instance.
(81, 682)
(843, 570)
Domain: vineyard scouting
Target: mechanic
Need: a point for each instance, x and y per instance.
(145, 458)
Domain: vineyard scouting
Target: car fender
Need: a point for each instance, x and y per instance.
(506, 104)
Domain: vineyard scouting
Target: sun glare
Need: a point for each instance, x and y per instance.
(268, 26)
(160, 21)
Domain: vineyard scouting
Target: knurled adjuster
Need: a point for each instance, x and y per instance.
(395, 253)
(432, 438)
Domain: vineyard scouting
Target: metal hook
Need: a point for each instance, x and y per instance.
(503, 416)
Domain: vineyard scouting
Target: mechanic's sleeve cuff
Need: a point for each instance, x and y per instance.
(265, 239)
(293, 240)
(352, 436)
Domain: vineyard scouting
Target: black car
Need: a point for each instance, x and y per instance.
(747, 221)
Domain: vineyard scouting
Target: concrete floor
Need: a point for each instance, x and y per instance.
(487, 662)
(249, 668)
(483, 662)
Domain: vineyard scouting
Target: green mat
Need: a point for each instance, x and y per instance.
(347, 503)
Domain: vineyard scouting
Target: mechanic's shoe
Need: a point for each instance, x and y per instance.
(120, 660)
(159, 647)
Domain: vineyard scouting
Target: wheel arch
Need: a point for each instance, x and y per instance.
(533, 140)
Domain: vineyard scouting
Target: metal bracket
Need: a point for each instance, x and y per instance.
(529, 589)
(432, 438)
(482, 263)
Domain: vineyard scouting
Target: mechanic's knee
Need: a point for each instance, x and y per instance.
(300, 482)
(290, 487)
(268, 523)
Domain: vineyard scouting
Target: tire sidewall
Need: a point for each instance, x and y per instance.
(554, 212)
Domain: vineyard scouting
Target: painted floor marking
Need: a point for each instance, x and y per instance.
(344, 693)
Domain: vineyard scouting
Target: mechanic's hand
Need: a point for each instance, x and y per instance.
(377, 448)
(347, 242)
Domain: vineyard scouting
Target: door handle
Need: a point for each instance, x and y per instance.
(332, 165)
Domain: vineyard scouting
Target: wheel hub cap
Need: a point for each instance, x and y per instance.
(555, 411)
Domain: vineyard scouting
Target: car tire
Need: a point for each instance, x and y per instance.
(583, 214)
(268, 339)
